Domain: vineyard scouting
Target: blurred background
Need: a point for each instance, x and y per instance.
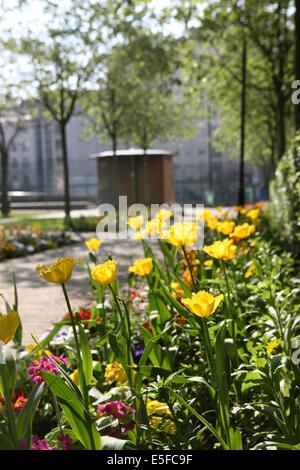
(207, 82)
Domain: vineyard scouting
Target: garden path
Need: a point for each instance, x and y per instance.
(41, 303)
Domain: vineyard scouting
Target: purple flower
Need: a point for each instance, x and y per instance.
(44, 365)
(138, 352)
(117, 409)
(66, 442)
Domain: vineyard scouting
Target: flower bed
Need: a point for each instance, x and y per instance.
(197, 351)
(18, 241)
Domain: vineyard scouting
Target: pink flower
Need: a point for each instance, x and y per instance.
(40, 444)
(44, 365)
(120, 411)
(36, 444)
(66, 442)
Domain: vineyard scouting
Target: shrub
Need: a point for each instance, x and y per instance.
(283, 211)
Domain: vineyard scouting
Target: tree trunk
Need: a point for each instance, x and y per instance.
(146, 179)
(241, 195)
(209, 134)
(296, 201)
(63, 134)
(146, 170)
(279, 82)
(297, 58)
(281, 114)
(4, 183)
(114, 173)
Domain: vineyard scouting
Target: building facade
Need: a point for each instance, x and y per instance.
(201, 175)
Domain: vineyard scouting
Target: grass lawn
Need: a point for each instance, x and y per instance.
(45, 224)
(26, 219)
(82, 223)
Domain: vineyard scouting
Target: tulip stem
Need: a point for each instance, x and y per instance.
(114, 296)
(72, 323)
(209, 353)
(165, 260)
(125, 322)
(79, 365)
(190, 268)
(228, 297)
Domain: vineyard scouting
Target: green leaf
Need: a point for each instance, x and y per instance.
(26, 415)
(180, 309)
(230, 348)
(93, 258)
(78, 418)
(102, 423)
(164, 313)
(6, 442)
(150, 344)
(203, 420)
(19, 331)
(179, 379)
(252, 379)
(222, 366)
(51, 334)
(235, 439)
(112, 443)
(8, 368)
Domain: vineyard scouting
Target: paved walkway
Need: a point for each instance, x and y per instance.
(41, 303)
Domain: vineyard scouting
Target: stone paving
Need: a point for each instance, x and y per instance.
(41, 303)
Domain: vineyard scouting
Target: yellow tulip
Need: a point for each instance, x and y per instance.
(225, 227)
(105, 273)
(212, 223)
(135, 222)
(222, 250)
(93, 244)
(206, 215)
(177, 290)
(142, 266)
(141, 235)
(242, 231)
(8, 325)
(208, 263)
(58, 272)
(164, 214)
(203, 304)
(181, 234)
(155, 226)
(253, 214)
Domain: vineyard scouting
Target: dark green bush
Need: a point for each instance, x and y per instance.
(283, 210)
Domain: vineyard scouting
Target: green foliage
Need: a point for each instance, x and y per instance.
(283, 211)
(213, 64)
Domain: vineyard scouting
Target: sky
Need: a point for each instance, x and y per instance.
(19, 19)
(36, 11)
